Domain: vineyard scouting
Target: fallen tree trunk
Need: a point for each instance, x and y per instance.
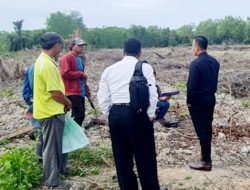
(17, 133)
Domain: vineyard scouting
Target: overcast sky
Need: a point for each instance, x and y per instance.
(122, 13)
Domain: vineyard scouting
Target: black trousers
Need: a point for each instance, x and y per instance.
(132, 139)
(201, 112)
(78, 108)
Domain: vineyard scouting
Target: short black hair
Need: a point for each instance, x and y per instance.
(201, 41)
(49, 39)
(132, 47)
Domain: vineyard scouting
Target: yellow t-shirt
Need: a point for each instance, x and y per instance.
(46, 78)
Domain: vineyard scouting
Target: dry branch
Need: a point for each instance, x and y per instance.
(19, 132)
(4, 74)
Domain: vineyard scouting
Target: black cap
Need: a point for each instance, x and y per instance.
(50, 38)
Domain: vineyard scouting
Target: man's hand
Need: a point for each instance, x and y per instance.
(164, 98)
(84, 76)
(28, 115)
(151, 119)
(68, 105)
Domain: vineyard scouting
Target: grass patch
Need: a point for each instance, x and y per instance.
(245, 102)
(90, 160)
(183, 115)
(182, 86)
(188, 177)
(19, 170)
(4, 141)
(6, 92)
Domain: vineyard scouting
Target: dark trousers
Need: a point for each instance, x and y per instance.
(39, 145)
(53, 159)
(78, 108)
(162, 109)
(202, 116)
(132, 139)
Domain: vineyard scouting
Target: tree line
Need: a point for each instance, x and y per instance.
(229, 30)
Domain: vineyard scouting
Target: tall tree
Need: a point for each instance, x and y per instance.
(185, 34)
(64, 23)
(18, 26)
(231, 29)
(208, 28)
(139, 32)
(247, 39)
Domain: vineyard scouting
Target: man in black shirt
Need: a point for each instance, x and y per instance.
(201, 88)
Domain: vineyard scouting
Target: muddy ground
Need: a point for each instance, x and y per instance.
(176, 147)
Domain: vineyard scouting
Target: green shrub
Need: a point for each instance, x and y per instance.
(4, 141)
(19, 170)
(90, 160)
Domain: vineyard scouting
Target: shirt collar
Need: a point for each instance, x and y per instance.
(50, 58)
(130, 58)
(203, 53)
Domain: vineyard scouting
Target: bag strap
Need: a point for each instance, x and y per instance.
(138, 68)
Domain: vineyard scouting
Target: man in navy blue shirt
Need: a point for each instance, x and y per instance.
(201, 88)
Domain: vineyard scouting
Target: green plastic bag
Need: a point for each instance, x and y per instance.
(73, 136)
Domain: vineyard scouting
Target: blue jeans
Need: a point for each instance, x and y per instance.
(35, 123)
(162, 109)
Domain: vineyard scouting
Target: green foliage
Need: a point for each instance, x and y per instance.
(3, 42)
(183, 115)
(245, 102)
(185, 34)
(231, 30)
(208, 28)
(19, 170)
(173, 38)
(18, 27)
(64, 23)
(23, 39)
(17, 43)
(90, 160)
(107, 37)
(247, 40)
(227, 30)
(6, 92)
(182, 86)
(4, 141)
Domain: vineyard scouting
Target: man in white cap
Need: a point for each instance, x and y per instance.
(72, 67)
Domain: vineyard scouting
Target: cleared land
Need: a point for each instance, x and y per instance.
(176, 147)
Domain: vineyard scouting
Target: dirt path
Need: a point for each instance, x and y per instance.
(218, 179)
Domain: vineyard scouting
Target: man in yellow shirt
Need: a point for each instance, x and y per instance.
(50, 105)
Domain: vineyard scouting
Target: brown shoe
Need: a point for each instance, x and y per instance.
(201, 165)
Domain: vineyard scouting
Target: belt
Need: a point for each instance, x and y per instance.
(121, 104)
